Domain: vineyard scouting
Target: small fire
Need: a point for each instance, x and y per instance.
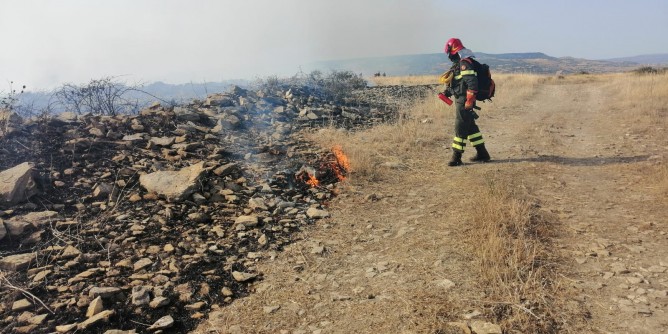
(342, 165)
(331, 170)
(307, 175)
(312, 180)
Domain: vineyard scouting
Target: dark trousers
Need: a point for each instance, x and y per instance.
(465, 127)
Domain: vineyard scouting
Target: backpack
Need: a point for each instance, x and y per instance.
(486, 85)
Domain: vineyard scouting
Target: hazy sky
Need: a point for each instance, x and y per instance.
(44, 43)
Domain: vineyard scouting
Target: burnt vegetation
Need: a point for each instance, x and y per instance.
(101, 233)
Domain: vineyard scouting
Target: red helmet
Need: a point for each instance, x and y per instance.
(453, 46)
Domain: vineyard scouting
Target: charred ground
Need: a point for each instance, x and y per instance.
(102, 222)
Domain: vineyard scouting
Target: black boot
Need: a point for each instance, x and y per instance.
(481, 154)
(456, 158)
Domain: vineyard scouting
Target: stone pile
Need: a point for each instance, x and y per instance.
(112, 222)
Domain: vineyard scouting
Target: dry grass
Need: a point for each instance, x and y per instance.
(517, 266)
(516, 263)
(663, 182)
(513, 89)
(389, 146)
(411, 80)
(645, 93)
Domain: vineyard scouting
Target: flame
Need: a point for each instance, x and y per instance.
(307, 175)
(312, 180)
(342, 165)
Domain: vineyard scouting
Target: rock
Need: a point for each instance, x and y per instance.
(17, 262)
(226, 169)
(158, 302)
(162, 141)
(481, 327)
(237, 91)
(247, 221)
(186, 115)
(472, 314)
(317, 250)
(195, 307)
(103, 190)
(134, 137)
(140, 296)
(219, 100)
(25, 329)
(142, 263)
(95, 307)
(162, 323)
(257, 203)
(271, 309)
(17, 184)
(97, 132)
(21, 305)
(118, 331)
(104, 292)
(70, 252)
(460, 327)
(316, 213)
(65, 328)
(174, 185)
(98, 318)
(198, 198)
(41, 276)
(227, 292)
(16, 228)
(38, 319)
(68, 116)
(37, 219)
(3, 229)
(199, 217)
(243, 277)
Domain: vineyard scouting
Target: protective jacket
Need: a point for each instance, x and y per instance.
(464, 79)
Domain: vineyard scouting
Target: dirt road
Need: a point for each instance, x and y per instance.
(393, 257)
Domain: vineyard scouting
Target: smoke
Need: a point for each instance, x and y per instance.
(51, 42)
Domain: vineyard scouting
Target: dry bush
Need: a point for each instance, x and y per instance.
(516, 262)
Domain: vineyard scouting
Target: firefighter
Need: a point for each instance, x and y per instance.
(464, 86)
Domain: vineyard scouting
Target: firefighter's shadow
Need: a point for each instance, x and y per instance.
(570, 161)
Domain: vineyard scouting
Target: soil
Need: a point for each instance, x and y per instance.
(393, 258)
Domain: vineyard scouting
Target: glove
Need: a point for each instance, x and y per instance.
(470, 99)
(446, 78)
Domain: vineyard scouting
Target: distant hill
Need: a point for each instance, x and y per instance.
(654, 59)
(422, 64)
